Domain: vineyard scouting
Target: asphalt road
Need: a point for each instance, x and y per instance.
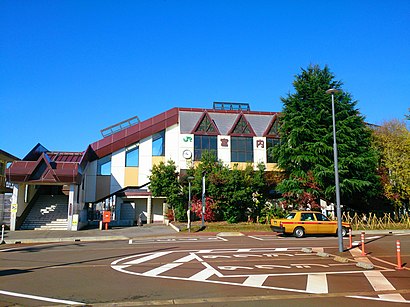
(256, 270)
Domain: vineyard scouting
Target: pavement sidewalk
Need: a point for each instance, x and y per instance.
(116, 233)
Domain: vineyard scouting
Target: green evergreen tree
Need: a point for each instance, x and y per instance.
(164, 183)
(306, 149)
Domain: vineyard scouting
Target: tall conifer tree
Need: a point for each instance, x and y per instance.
(306, 149)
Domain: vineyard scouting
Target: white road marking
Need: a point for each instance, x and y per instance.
(380, 299)
(317, 283)
(147, 258)
(203, 275)
(377, 280)
(255, 280)
(161, 269)
(256, 238)
(187, 258)
(40, 298)
(178, 240)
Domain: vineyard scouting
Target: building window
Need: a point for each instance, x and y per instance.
(241, 149)
(1, 168)
(274, 129)
(104, 166)
(206, 126)
(270, 143)
(204, 143)
(132, 155)
(158, 144)
(242, 127)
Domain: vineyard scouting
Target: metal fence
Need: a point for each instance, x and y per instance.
(371, 221)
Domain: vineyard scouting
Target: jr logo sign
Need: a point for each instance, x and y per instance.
(187, 139)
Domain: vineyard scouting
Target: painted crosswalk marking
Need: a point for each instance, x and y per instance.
(377, 280)
(317, 283)
(216, 266)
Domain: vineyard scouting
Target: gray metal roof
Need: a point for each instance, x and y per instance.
(224, 121)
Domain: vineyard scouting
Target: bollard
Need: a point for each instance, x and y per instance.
(399, 265)
(2, 234)
(362, 237)
(350, 238)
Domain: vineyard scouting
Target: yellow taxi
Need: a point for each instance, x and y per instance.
(300, 223)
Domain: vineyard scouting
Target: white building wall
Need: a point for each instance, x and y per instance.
(259, 150)
(145, 160)
(90, 181)
(117, 170)
(224, 152)
(186, 149)
(171, 144)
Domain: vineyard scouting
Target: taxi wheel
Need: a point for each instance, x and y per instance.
(299, 232)
(344, 232)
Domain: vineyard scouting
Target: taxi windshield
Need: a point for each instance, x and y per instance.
(290, 216)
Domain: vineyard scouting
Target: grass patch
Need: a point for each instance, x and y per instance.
(224, 227)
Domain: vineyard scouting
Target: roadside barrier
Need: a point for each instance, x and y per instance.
(399, 265)
(350, 238)
(362, 237)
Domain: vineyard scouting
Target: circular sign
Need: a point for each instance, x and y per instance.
(187, 154)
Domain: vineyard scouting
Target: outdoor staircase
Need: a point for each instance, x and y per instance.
(48, 213)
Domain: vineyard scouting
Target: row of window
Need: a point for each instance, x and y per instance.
(241, 147)
(132, 154)
(241, 150)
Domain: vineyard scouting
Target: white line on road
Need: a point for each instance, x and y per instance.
(147, 258)
(162, 269)
(255, 280)
(40, 298)
(203, 275)
(377, 280)
(317, 283)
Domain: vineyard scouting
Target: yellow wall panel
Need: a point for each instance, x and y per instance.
(131, 176)
(157, 159)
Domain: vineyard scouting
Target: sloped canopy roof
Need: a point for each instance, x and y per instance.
(41, 166)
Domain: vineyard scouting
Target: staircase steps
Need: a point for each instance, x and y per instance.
(48, 213)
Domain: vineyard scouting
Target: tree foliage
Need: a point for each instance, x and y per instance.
(164, 183)
(306, 149)
(237, 194)
(392, 140)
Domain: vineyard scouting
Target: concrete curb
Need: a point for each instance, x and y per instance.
(174, 227)
(71, 239)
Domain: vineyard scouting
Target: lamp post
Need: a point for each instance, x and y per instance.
(190, 178)
(203, 198)
(332, 92)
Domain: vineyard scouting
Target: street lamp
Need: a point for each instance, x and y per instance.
(203, 198)
(190, 178)
(332, 92)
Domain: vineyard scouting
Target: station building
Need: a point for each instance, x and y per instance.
(5, 187)
(69, 190)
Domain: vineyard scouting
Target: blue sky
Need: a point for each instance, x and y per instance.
(71, 68)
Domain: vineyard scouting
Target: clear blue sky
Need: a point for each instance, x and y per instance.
(70, 68)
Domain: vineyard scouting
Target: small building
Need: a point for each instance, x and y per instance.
(69, 190)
